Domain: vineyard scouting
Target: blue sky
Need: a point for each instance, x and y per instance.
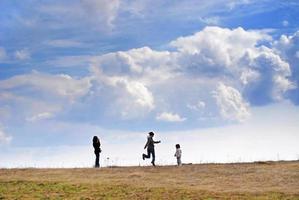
(119, 69)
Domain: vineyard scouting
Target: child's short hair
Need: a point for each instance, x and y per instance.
(177, 146)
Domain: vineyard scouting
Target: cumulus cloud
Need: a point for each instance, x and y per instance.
(231, 104)
(130, 98)
(249, 75)
(4, 138)
(28, 106)
(38, 96)
(131, 76)
(141, 93)
(61, 85)
(219, 47)
(150, 65)
(232, 56)
(220, 53)
(273, 80)
(142, 83)
(237, 54)
(287, 47)
(170, 117)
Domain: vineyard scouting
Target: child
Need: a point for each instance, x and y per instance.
(150, 145)
(178, 154)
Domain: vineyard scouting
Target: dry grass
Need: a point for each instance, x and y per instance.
(266, 180)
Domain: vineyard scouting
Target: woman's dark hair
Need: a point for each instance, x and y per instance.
(177, 146)
(95, 139)
(151, 133)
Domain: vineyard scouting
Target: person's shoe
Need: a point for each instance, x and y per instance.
(153, 164)
(143, 157)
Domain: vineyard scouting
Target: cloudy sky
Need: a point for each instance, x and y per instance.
(220, 77)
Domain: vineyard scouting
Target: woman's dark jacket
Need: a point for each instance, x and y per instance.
(96, 146)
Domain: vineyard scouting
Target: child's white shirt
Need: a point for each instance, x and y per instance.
(178, 153)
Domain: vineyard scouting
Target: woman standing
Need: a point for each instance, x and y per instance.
(97, 150)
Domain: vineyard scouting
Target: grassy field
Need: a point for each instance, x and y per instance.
(264, 180)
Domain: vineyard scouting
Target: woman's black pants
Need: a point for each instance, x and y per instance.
(97, 163)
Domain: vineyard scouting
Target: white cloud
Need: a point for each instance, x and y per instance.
(170, 117)
(275, 73)
(4, 138)
(141, 93)
(282, 85)
(249, 75)
(38, 96)
(231, 104)
(61, 85)
(23, 54)
(29, 107)
(219, 46)
(40, 116)
(200, 105)
(234, 57)
(131, 97)
(130, 77)
(142, 63)
(287, 47)
(139, 83)
(220, 53)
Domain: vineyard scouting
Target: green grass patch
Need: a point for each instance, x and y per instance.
(39, 190)
(64, 190)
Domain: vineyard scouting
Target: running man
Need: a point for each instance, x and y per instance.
(150, 145)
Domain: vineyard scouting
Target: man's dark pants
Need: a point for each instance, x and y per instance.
(149, 152)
